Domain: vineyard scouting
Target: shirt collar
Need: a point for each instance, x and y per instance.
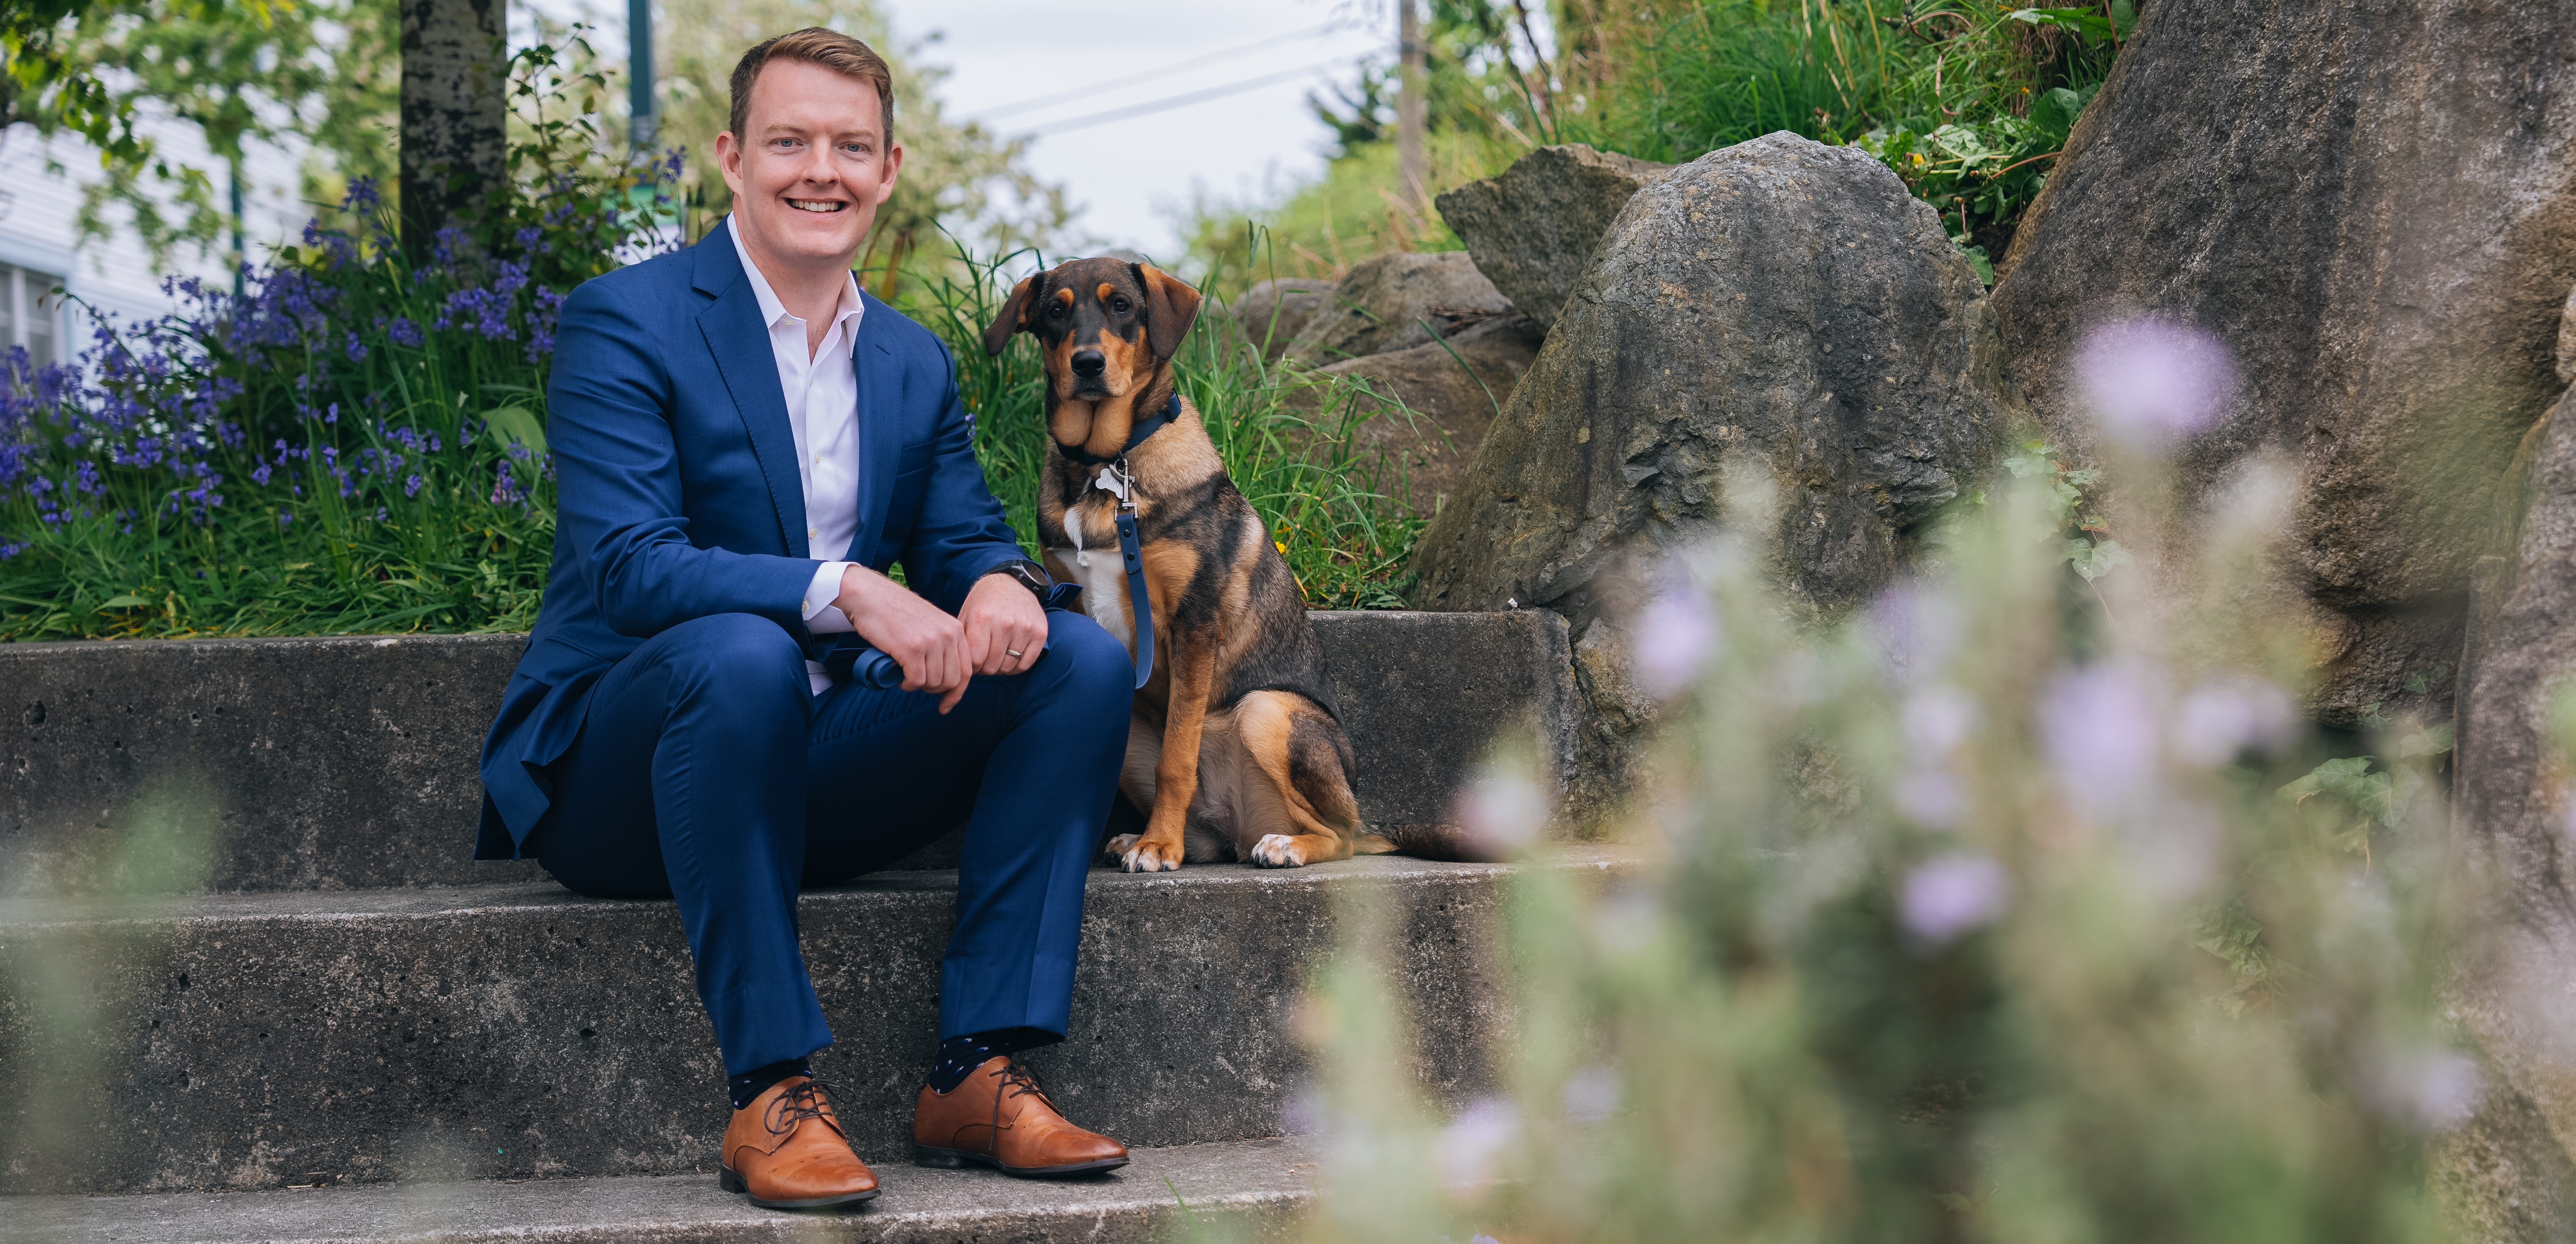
(853, 308)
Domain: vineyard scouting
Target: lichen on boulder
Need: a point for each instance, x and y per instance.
(1532, 230)
(1778, 306)
(1396, 301)
(2383, 238)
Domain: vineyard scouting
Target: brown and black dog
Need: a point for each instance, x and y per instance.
(1234, 746)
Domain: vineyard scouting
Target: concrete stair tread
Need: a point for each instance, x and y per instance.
(250, 1041)
(1269, 1179)
(536, 896)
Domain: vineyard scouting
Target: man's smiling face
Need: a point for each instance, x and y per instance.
(812, 166)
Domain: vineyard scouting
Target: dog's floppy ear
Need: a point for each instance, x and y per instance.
(1170, 308)
(1014, 317)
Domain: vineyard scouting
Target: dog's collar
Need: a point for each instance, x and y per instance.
(1135, 436)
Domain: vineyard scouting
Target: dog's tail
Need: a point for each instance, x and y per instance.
(1428, 842)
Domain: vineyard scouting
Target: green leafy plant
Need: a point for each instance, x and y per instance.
(1963, 919)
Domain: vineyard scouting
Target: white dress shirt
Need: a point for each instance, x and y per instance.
(822, 391)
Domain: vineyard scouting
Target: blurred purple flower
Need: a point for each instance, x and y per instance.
(1916, 628)
(1471, 1147)
(2153, 382)
(2427, 1089)
(1673, 637)
(1929, 798)
(1503, 809)
(2099, 726)
(2219, 721)
(1937, 720)
(1591, 1094)
(1952, 894)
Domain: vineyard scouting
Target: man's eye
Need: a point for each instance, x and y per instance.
(1119, 304)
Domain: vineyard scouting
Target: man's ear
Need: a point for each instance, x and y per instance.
(1014, 317)
(1170, 308)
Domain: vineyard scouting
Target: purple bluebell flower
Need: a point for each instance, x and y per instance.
(1948, 896)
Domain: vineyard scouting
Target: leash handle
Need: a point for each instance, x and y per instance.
(1139, 601)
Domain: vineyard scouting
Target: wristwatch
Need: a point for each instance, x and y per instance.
(1028, 574)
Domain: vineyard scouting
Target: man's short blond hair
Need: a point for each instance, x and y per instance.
(814, 45)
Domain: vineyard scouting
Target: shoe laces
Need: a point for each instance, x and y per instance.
(1020, 1081)
(810, 1100)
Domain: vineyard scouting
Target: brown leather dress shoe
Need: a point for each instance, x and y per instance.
(1000, 1117)
(787, 1151)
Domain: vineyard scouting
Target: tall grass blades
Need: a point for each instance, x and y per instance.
(1967, 102)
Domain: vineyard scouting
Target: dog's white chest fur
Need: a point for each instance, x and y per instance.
(1104, 581)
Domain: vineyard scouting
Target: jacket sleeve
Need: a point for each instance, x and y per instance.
(617, 465)
(961, 535)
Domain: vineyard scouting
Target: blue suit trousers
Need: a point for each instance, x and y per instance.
(706, 772)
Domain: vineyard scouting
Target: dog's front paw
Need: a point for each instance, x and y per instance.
(1115, 851)
(1277, 851)
(1147, 856)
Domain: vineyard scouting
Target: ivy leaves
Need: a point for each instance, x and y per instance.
(2086, 544)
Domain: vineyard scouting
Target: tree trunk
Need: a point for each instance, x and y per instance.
(454, 79)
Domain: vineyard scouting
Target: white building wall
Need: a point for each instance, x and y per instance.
(40, 238)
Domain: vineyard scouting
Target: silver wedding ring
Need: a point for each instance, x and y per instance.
(1013, 651)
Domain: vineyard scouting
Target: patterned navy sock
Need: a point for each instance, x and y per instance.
(959, 1056)
(750, 1084)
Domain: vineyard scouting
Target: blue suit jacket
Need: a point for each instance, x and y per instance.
(678, 495)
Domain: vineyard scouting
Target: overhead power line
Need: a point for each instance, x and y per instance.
(1143, 76)
(1177, 101)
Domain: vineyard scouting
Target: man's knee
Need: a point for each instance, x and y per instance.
(737, 655)
(1097, 669)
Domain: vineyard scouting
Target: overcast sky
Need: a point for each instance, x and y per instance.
(1243, 68)
(1205, 93)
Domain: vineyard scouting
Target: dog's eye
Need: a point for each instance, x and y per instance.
(1119, 304)
(1057, 310)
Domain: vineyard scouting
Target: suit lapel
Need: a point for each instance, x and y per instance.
(740, 343)
(880, 420)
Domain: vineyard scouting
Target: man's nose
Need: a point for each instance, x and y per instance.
(1088, 364)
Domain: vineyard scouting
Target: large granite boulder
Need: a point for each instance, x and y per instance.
(1779, 306)
(2510, 1171)
(1274, 312)
(1453, 389)
(1532, 230)
(1385, 302)
(2373, 204)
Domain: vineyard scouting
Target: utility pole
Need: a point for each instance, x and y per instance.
(454, 102)
(644, 128)
(241, 248)
(1412, 168)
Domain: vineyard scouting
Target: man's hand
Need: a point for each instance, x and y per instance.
(929, 645)
(1001, 615)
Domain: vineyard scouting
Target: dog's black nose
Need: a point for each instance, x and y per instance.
(1089, 363)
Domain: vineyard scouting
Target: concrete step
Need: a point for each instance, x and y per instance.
(1254, 1188)
(261, 1040)
(273, 764)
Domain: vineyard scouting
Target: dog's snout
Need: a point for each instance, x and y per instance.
(1088, 364)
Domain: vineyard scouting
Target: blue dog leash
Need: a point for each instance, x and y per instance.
(1131, 551)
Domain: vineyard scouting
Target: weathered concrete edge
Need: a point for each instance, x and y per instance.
(349, 762)
(1202, 973)
(1260, 1184)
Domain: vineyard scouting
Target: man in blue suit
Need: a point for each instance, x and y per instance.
(744, 442)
